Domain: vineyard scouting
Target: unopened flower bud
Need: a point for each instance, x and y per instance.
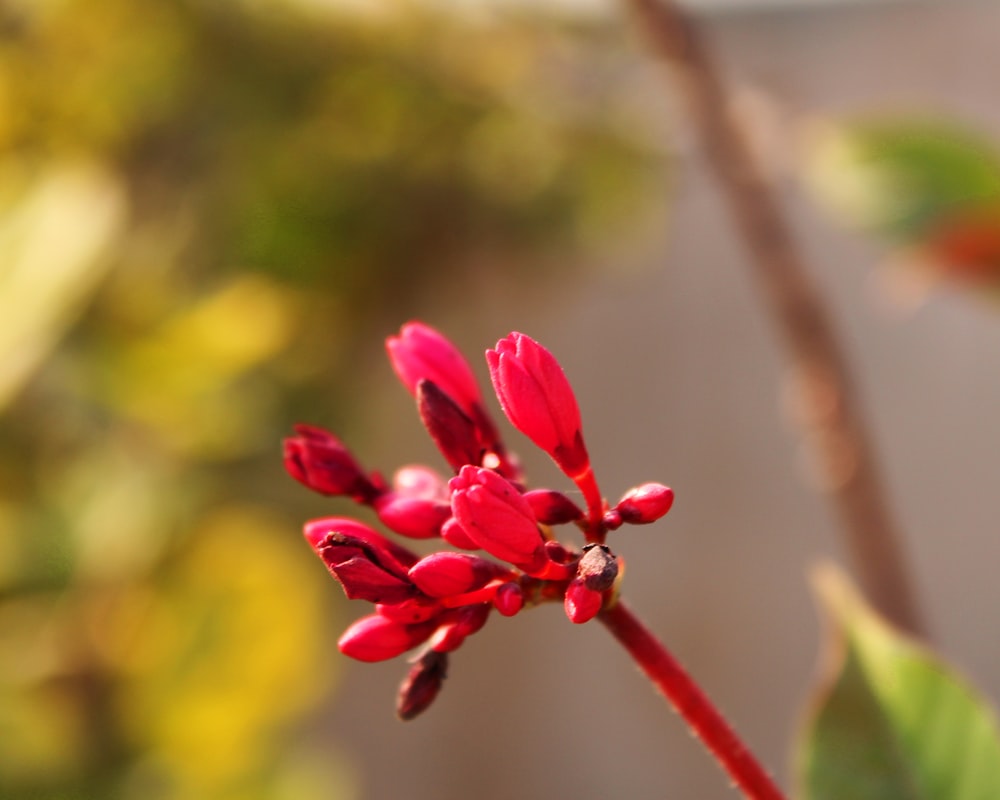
(581, 603)
(493, 514)
(509, 599)
(447, 573)
(415, 517)
(460, 624)
(645, 504)
(422, 353)
(454, 534)
(552, 507)
(376, 638)
(319, 460)
(363, 571)
(452, 430)
(421, 685)
(536, 397)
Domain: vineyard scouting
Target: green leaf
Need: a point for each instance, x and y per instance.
(891, 720)
(897, 177)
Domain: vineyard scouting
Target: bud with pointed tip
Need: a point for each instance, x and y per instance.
(421, 685)
(536, 397)
(365, 572)
(581, 603)
(317, 530)
(318, 459)
(495, 516)
(422, 353)
(452, 430)
(414, 517)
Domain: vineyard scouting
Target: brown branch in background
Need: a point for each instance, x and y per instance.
(834, 425)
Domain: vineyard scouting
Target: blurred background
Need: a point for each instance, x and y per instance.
(211, 215)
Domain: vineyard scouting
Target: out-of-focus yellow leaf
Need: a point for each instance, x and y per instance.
(53, 243)
(228, 650)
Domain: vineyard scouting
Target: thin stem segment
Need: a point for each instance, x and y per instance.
(688, 700)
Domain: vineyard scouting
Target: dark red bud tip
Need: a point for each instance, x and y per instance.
(421, 685)
(509, 599)
(319, 460)
(598, 567)
(645, 504)
(552, 507)
(581, 603)
(452, 430)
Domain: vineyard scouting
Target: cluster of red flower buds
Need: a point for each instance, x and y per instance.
(440, 599)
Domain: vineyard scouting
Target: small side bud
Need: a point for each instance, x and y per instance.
(509, 599)
(581, 603)
(319, 460)
(421, 685)
(644, 504)
(452, 430)
(454, 534)
(458, 625)
(446, 574)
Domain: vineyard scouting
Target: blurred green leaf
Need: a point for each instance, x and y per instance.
(897, 177)
(890, 719)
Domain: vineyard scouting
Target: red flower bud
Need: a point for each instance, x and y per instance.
(509, 599)
(421, 685)
(495, 516)
(644, 504)
(319, 460)
(411, 611)
(459, 624)
(415, 517)
(551, 507)
(454, 534)
(581, 604)
(538, 400)
(452, 430)
(446, 573)
(375, 638)
(421, 353)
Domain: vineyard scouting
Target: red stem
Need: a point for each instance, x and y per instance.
(688, 700)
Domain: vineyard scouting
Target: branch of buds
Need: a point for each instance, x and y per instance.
(436, 602)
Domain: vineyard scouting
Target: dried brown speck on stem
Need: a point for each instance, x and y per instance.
(839, 436)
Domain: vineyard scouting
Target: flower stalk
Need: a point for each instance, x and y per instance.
(688, 700)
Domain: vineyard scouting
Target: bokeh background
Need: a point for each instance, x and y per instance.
(211, 214)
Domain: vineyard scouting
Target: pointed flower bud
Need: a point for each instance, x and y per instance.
(375, 638)
(645, 504)
(495, 516)
(421, 685)
(452, 430)
(447, 573)
(319, 460)
(552, 507)
(422, 353)
(538, 400)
